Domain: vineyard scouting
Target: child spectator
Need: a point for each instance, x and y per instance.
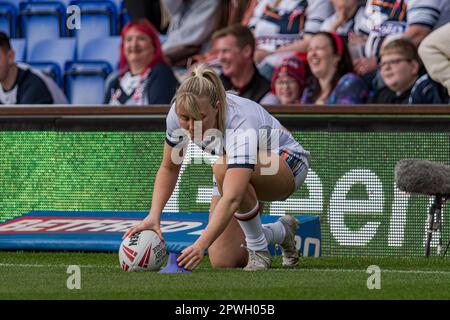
(288, 82)
(399, 68)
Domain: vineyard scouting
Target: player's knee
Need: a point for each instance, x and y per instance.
(228, 257)
(221, 263)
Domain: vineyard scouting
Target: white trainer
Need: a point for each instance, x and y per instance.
(257, 260)
(288, 249)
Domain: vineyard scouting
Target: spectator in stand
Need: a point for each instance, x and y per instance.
(435, 53)
(21, 84)
(350, 22)
(274, 43)
(283, 27)
(231, 12)
(349, 17)
(235, 47)
(144, 77)
(390, 19)
(191, 24)
(399, 67)
(148, 9)
(332, 80)
(288, 82)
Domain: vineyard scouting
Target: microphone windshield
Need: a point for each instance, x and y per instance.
(423, 177)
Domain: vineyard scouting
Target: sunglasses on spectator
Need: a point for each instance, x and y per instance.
(390, 63)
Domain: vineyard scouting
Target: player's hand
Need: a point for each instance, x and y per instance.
(148, 223)
(191, 257)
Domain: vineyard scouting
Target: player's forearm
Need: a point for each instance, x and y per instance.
(165, 182)
(218, 221)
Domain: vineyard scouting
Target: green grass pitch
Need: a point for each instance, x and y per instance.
(43, 275)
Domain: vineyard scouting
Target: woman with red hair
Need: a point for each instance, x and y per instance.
(144, 77)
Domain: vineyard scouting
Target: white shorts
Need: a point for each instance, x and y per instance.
(299, 166)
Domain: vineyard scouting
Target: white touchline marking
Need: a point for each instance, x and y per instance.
(364, 271)
(106, 266)
(95, 266)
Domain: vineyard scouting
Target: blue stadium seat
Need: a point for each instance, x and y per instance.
(50, 69)
(8, 18)
(84, 83)
(117, 3)
(42, 20)
(18, 46)
(51, 56)
(98, 19)
(102, 49)
(64, 2)
(58, 51)
(15, 3)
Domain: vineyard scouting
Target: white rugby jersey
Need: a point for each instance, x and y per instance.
(248, 128)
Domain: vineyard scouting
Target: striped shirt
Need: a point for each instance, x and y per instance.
(392, 17)
(278, 23)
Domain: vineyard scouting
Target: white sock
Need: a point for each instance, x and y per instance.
(254, 235)
(274, 232)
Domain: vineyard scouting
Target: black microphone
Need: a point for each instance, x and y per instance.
(429, 178)
(423, 177)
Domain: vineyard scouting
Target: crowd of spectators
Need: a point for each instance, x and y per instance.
(274, 52)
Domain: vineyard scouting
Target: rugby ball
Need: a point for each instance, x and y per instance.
(143, 251)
